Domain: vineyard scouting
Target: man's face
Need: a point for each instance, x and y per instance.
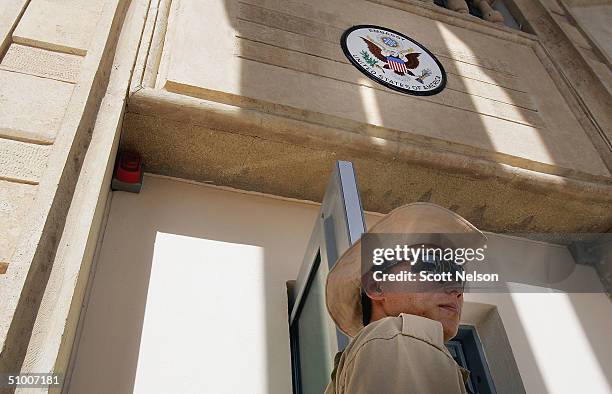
(440, 306)
(443, 305)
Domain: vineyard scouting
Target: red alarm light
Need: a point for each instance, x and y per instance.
(129, 168)
(128, 172)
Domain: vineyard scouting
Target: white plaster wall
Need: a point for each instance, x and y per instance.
(189, 296)
(189, 293)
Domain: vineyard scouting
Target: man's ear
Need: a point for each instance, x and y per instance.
(373, 288)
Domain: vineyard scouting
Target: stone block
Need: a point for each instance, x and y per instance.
(59, 25)
(15, 200)
(31, 108)
(42, 62)
(22, 161)
(572, 32)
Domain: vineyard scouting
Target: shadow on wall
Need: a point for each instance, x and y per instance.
(499, 104)
(500, 109)
(593, 333)
(498, 99)
(289, 59)
(483, 103)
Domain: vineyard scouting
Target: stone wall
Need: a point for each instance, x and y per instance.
(53, 72)
(256, 94)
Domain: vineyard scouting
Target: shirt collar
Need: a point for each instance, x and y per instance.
(430, 331)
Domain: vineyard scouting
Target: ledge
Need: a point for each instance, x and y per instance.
(253, 150)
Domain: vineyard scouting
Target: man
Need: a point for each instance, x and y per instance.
(399, 333)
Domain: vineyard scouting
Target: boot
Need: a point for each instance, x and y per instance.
(488, 13)
(459, 6)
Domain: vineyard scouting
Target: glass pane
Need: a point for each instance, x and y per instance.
(317, 337)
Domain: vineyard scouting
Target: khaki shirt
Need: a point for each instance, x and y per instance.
(403, 354)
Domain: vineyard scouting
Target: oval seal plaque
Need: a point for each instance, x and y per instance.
(393, 60)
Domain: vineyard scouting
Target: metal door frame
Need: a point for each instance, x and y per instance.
(339, 224)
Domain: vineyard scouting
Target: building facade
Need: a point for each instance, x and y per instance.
(239, 110)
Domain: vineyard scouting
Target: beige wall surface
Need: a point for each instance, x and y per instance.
(596, 21)
(189, 296)
(257, 95)
(282, 59)
(285, 57)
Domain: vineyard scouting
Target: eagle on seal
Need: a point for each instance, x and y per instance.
(399, 62)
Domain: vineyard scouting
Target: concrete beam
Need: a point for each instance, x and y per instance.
(244, 148)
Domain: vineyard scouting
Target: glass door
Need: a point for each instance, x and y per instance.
(314, 337)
